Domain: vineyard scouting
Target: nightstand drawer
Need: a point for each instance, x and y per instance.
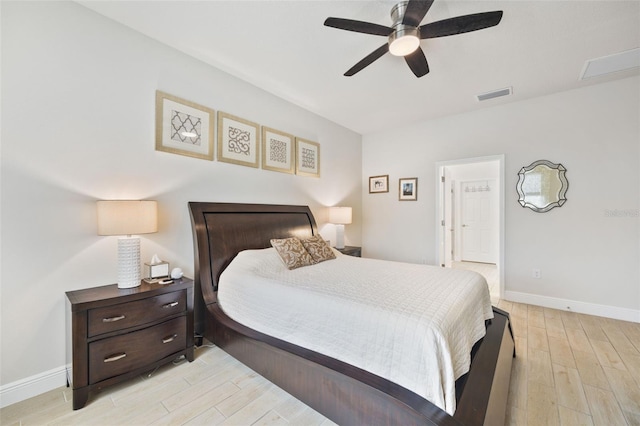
(120, 354)
(129, 314)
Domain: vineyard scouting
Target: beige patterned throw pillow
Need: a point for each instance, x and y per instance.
(292, 252)
(318, 249)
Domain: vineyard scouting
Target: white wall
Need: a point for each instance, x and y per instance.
(588, 257)
(78, 93)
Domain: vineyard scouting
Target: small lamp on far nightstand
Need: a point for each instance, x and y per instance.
(340, 216)
(128, 218)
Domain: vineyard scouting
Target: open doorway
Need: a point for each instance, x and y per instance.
(470, 218)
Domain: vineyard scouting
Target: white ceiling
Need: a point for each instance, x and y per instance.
(540, 47)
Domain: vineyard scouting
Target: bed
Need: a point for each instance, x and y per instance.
(339, 390)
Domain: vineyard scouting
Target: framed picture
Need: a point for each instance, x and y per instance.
(307, 158)
(278, 151)
(238, 140)
(408, 189)
(378, 184)
(183, 127)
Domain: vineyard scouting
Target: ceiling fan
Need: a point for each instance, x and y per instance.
(406, 32)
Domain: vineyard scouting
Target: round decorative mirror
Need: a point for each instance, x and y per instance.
(542, 186)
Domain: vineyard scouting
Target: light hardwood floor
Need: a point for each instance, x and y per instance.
(571, 369)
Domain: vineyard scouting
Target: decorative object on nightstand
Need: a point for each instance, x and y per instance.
(340, 216)
(351, 251)
(128, 218)
(155, 270)
(176, 273)
(115, 335)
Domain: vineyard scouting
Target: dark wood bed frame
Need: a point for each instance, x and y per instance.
(343, 393)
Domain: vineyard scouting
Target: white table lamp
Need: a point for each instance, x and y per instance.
(340, 216)
(128, 218)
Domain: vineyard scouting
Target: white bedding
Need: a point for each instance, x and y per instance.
(414, 325)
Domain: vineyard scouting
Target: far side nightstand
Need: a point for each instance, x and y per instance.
(351, 251)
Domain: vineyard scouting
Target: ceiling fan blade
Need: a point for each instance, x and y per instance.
(417, 62)
(460, 24)
(358, 26)
(416, 9)
(368, 60)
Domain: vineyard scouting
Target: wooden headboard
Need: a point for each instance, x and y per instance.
(222, 230)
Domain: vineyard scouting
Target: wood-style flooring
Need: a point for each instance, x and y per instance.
(571, 369)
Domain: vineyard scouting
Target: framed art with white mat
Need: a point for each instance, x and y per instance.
(278, 151)
(184, 127)
(307, 158)
(238, 140)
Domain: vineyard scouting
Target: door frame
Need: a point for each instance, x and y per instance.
(440, 240)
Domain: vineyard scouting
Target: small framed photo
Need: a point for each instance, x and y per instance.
(378, 184)
(183, 127)
(278, 151)
(238, 140)
(408, 189)
(307, 158)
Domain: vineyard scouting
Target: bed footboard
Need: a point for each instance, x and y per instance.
(484, 397)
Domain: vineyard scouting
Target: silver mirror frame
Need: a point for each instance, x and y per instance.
(561, 193)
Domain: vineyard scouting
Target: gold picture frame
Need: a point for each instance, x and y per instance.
(378, 184)
(408, 189)
(238, 140)
(307, 158)
(278, 151)
(184, 127)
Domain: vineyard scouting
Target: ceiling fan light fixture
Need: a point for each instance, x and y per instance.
(405, 33)
(403, 41)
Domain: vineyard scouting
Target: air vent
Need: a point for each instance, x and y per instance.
(494, 94)
(609, 64)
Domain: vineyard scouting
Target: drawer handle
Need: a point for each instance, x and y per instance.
(115, 357)
(169, 339)
(113, 319)
(170, 305)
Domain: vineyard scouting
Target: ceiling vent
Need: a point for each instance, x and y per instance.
(609, 64)
(494, 94)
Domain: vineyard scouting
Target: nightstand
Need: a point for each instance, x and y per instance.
(116, 334)
(351, 251)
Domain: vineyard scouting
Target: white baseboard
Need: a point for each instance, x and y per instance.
(32, 386)
(624, 314)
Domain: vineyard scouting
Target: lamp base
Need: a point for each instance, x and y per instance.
(339, 236)
(128, 262)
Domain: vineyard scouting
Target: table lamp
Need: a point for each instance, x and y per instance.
(127, 218)
(340, 216)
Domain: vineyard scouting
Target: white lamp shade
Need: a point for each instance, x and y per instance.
(340, 215)
(127, 217)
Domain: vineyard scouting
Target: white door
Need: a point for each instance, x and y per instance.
(478, 221)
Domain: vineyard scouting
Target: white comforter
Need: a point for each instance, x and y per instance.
(414, 325)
